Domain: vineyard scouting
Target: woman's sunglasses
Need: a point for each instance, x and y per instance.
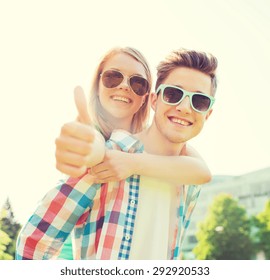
(113, 78)
(173, 95)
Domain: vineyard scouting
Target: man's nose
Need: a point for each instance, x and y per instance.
(184, 106)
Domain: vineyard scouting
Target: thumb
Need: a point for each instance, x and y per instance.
(81, 105)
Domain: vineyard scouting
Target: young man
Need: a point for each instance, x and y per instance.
(140, 217)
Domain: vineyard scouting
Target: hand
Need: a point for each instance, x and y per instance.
(116, 166)
(74, 146)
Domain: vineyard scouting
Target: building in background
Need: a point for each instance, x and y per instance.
(252, 190)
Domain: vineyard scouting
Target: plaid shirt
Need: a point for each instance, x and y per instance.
(101, 217)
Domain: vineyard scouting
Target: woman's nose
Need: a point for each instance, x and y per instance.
(124, 84)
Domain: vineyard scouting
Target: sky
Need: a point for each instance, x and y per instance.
(49, 47)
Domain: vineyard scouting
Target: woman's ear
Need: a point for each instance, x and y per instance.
(144, 98)
(153, 100)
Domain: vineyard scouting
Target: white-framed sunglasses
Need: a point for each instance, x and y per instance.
(173, 95)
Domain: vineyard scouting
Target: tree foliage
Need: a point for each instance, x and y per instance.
(225, 233)
(9, 226)
(4, 241)
(262, 236)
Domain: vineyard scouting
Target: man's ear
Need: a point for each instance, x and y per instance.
(153, 100)
(208, 114)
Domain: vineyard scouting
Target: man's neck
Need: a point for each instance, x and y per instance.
(155, 143)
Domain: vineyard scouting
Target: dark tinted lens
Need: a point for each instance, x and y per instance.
(201, 102)
(139, 85)
(172, 95)
(112, 78)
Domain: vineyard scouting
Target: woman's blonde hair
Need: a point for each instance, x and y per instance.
(140, 118)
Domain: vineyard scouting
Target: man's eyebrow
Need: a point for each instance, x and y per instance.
(197, 91)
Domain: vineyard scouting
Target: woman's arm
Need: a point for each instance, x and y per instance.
(79, 145)
(188, 168)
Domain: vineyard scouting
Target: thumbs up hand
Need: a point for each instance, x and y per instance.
(81, 105)
(79, 146)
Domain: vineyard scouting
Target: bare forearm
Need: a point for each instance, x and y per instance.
(177, 169)
(98, 150)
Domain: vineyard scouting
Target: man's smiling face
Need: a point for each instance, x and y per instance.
(179, 123)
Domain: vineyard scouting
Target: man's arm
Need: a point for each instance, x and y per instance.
(43, 235)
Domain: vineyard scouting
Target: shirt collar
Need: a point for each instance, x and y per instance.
(126, 141)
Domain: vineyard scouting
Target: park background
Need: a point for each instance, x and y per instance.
(49, 47)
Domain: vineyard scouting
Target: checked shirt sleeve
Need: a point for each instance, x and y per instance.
(54, 218)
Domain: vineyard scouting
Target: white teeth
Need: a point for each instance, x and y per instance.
(121, 98)
(182, 122)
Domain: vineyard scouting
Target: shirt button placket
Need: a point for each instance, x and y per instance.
(127, 237)
(132, 202)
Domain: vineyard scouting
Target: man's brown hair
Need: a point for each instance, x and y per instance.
(201, 61)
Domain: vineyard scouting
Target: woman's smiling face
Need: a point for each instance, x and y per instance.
(121, 102)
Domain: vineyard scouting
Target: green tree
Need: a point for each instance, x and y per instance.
(4, 241)
(9, 225)
(225, 233)
(262, 236)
